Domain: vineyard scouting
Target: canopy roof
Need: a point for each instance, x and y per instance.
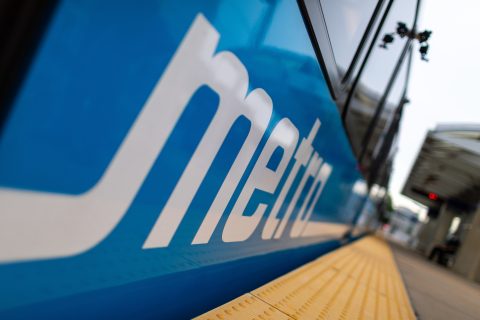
(447, 167)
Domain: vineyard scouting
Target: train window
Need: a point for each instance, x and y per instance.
(374, 81)
(316, 26)
(396, 93)
(346, 22)
(393, 101)
(340, 29)
(382, 61)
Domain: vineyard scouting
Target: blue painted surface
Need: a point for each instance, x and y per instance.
(95, 68)
(180, 295)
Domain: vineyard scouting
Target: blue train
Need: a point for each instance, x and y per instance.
(159, 158)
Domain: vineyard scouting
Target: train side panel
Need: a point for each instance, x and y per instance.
(162, 158)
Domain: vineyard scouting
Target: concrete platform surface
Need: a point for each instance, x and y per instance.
(436, 292)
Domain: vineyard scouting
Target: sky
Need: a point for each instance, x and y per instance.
(444, 90)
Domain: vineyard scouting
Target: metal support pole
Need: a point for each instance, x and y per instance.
(387, 144)
(381, 104)
(386, 147)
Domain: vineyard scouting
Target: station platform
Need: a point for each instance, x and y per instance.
(357, 281)
(436, 292)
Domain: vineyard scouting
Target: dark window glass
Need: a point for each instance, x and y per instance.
(374, 81)
(382, 61)
(346, 23)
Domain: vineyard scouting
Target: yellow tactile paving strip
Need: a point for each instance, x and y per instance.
(358, 281)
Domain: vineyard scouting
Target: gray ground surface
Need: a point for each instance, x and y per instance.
(436, 292)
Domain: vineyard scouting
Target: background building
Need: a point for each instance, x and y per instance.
(446, 179)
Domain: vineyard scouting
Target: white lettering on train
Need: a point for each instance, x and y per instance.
(39, 225)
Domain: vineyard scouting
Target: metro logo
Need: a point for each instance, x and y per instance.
(39, 225)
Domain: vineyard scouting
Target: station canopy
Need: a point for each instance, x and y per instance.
(447, 167)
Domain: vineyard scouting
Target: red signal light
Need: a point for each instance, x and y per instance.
(432, 196)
